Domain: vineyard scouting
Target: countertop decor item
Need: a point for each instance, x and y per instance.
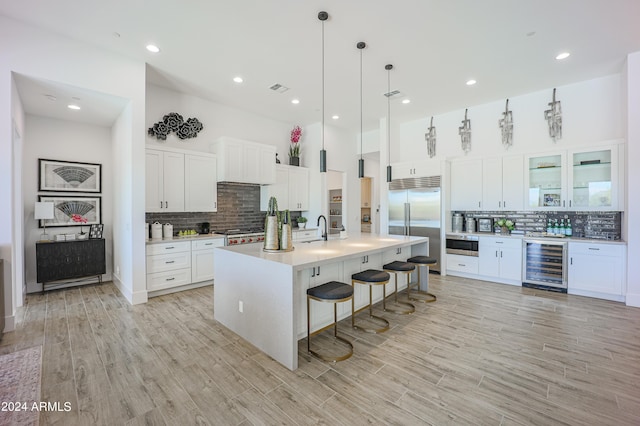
(554, 118)
(271, 228)
(173, 122)
(302, 222)
(465, 133)
(294, 149)
(286, 236)
(506, 126)
(506, 226)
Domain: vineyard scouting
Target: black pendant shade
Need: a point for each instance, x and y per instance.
(361, 168)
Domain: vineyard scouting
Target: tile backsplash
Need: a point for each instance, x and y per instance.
(597, 225)
(238, 208)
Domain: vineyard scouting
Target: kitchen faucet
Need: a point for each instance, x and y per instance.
(324, 234)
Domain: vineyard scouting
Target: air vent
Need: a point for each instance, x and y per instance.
(278, 88)
(392, 93)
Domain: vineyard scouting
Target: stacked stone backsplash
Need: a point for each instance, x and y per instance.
(597, 225)
(238, 208)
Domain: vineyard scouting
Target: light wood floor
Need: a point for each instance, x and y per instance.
(482, 354)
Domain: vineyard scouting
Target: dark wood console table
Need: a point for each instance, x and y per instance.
(66, 260)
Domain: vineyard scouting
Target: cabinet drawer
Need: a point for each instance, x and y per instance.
(468, 264)
(595, 249)
(162, 280)
(207, 244)
(168, 262)
(305, 235)
(497, 242)
(173, 247)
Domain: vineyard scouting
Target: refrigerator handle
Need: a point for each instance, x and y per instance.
(407, 218)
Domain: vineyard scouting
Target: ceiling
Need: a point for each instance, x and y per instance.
(508, 46)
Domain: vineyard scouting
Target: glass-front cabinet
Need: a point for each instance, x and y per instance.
(593, 179)
(546, 181)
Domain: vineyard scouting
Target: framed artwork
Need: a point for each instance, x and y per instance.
(69, 176)
(95, 232)
(71, 210)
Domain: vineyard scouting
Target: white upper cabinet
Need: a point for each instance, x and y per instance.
(546, 182)
(502, 183)
(593, 179)
(164, 178)
(416, 169)
(200, 184)
(246, 162)
(466, 184)
(291, 189)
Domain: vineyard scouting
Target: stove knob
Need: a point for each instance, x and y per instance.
(242, 240)
(250, 240)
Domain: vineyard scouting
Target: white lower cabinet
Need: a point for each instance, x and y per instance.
(596, 270)
(321, 312)
(462, 265)
(500, 259)
(305, 235)
(202, 259)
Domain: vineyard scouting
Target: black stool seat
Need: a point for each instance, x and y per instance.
(399, 266)
(331, 291)
(371, 276)
(424, 260)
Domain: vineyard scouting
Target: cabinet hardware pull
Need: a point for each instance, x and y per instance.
(500, 253)
(504, 204)
(562, 203)
(499, 242)
(478, 204)
(594, 248)
(314, 272)
(496, 253)
(461, 264)
(169, 248)
(571, 263)
(569, 203)
(499, 204)
(166, 204)
(160, 204)
(318, 271)
(170, 261)
(170, 279)
(208, 244)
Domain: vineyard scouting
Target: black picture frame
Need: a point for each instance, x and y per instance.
(95, 232)
(89, 207)
(69, 176)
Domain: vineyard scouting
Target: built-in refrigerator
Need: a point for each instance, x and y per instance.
(414, 209)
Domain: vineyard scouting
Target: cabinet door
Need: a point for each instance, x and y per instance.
(488, 257)
(231, 168)
(466, 185)
(201, 188)
(251, 161)
(511, 263)
(512, 183)
(173, 182)
(279, 190)
(492, 184)
(403, 170)
(153, 181)
(545, 182)
(298, 188)
(267, 165)
(201, 265)
(593, 179)
(596, 267)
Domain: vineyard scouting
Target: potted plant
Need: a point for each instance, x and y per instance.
(80, 219)
(294, 149)
(506, 226)
(302, 222)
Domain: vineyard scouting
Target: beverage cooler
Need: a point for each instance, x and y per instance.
(545, 265)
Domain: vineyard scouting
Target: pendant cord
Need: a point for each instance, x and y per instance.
(388, 117)
(323, 85)
(361, 104)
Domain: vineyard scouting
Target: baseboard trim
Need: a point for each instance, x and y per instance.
(633, 300)
(9, 323)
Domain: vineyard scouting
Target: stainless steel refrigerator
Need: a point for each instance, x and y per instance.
(414, 209)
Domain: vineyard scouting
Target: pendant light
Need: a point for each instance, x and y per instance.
(388, 67)
(323, 16)
(361, 45)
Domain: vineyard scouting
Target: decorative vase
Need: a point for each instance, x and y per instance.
(504, 230)
(271, 241)
(294, 161)
(287, 240)
(302, 225)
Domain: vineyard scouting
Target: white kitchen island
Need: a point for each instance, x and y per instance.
(262, 296)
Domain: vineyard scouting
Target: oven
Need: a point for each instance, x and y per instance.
(236, 237)
(465, 245)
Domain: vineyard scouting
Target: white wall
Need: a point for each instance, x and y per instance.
(218, 120)
(632, 218)
(591, 113)
(67, 141)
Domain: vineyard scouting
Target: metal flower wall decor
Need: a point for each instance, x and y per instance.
(173, 122)
(465, 133)
(506, 126)
(430, 137)
(554, 118)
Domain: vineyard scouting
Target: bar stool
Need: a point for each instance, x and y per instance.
(370, 277)
(396, 268)
(422, 261)
(331, 292)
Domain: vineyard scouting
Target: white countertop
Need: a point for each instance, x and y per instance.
(187, 238)
(520, 236)
(315, 252)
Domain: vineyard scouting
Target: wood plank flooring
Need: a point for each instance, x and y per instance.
(483, 354)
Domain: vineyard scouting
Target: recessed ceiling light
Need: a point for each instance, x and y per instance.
(238, 79)
(406, 101)
(563, 55)
(74, 107)
(471, 82)
(153, 48)
(335, 117)
(295, 101)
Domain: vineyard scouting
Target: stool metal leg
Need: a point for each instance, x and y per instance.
(385, 323)
(430, 297)
(335, 331)
(409, 307)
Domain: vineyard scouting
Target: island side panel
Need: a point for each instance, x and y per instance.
(265, 289)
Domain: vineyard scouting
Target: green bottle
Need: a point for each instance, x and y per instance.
(568, 230)
(556, 228)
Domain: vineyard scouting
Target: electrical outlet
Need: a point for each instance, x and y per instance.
(240, 306)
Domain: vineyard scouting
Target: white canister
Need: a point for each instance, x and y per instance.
(167, 230)
(156, 231)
